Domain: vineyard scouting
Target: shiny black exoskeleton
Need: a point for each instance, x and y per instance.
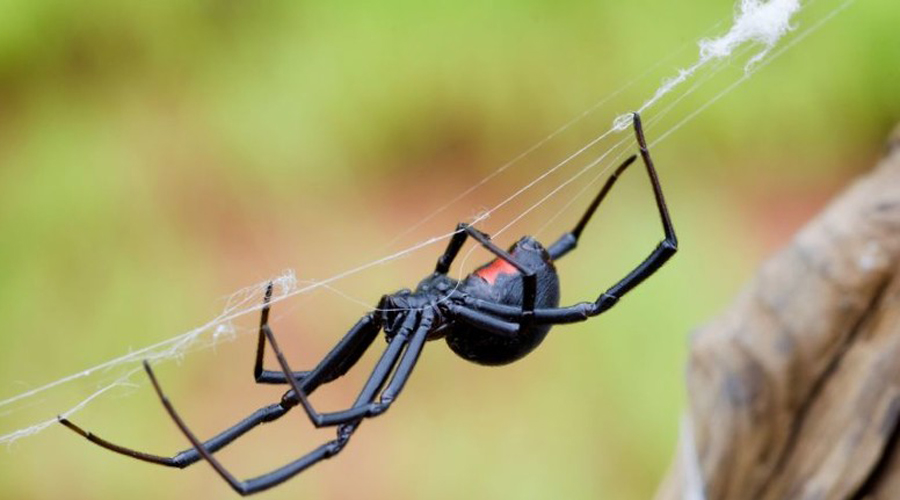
(494, 316)
(500, 283)
(486, 283)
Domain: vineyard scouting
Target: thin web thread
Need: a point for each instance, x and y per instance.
(515, 160)
(756, 22)
(800, 37)
(648, 126)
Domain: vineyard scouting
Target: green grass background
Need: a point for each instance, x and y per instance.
(157, 156)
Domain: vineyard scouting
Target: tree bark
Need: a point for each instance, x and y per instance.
(794, 391)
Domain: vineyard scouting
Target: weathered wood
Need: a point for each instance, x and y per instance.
(794, 391)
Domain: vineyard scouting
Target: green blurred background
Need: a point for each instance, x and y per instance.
(157, 156)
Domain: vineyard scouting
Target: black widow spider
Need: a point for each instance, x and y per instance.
(496, 315)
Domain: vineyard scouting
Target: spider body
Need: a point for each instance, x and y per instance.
(501, 283)
(494, 316)
(497, 282)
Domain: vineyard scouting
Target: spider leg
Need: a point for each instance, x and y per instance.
(407, 363)
(498, 318)
(350, 422)
(567, 242)
(365, 405)
(480, 310)
(456, 243)
(663, 251)
(335, 364)
(463, 231)
(481, 316)
(242, 487)
(189, 456)
(411, 326)
(338, 361)
(261, 375)
(529, 278)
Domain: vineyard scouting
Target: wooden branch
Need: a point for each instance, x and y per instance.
(794, 391)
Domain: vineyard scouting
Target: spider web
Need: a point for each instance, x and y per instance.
(753, 37)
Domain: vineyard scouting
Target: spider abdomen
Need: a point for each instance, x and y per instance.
(500, 283)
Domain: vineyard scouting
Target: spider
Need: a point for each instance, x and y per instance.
(494, 316)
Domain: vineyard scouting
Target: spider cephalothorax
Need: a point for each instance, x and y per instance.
(494, 316)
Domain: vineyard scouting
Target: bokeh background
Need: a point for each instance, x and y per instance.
(157, 156)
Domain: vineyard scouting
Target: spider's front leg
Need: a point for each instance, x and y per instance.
(409, 339)
(336, 363)
(411, 336)
(339, 360)
(261, 375)
(190, 456)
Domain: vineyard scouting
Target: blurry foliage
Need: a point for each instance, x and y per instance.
(155, 156)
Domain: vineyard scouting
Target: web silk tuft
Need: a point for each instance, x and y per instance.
(757, 22)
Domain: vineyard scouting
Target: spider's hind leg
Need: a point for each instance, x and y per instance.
(659, 256)
(529, 278)
(567, 242)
